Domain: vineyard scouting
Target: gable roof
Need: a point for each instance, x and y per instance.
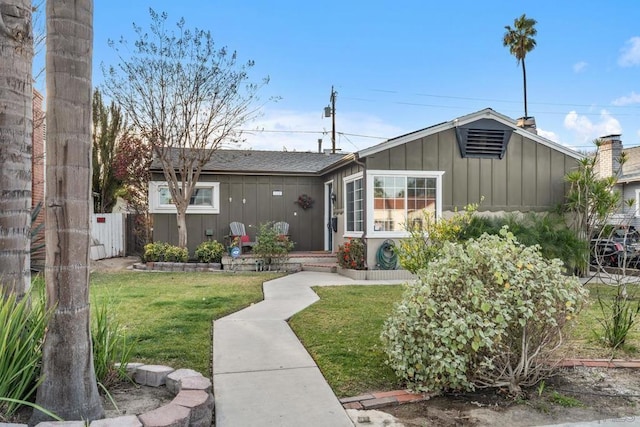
(487, 113)
(269, 162)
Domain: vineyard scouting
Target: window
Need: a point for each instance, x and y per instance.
(354, 205)
(205, 198)
(399, 197)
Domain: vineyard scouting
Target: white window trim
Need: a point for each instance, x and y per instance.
(156, 207)
(345, 181)
(371, 174)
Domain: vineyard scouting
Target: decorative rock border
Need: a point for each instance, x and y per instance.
(193, 405)
(178, 266)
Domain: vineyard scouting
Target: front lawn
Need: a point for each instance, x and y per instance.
(170, 314)
(342, 333)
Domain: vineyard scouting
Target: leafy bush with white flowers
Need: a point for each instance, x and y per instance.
(486, 313)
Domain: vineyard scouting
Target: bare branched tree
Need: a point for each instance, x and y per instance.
(185, 97)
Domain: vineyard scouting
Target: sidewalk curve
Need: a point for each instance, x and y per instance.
(262, 375)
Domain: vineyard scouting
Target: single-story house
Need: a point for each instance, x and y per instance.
(374, 192)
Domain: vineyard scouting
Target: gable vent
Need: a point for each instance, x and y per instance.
(486, 142)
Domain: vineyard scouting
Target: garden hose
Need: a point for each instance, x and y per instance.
(386, 256)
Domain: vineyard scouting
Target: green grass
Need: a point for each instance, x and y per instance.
(170, 314)
(342, 333)
(342, 330)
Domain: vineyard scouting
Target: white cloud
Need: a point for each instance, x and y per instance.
(630, 53)
(548, 134)
(587, 130)
(579, 67)
(300, 131)
(632, 98)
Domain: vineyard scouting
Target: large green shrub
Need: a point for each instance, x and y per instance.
(22, 329)
(549, 231)
(488, 313)
(161, 252)
(210, 251)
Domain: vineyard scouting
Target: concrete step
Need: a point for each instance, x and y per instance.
(320, 267)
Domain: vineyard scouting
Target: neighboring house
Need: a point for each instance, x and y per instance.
(37, 159)
(628, 178)
(374, 192)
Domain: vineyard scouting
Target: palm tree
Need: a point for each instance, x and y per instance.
(520, 40)
(69, 387)
(16, 129)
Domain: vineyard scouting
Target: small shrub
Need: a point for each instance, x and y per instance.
(617, 317)
(21, 338)
(154, 252)
(428, 235)
(160, 251)
(176, 254)
(489, 313)
(351, 254)
(210, 251)
(110, 346)
(272, 247)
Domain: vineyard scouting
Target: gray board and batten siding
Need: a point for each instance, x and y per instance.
(529, 176)
(257, 187)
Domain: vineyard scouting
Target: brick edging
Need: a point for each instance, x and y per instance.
(398, 397)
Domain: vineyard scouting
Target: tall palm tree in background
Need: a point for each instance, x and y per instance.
(69, 387)
(520, 40)
(16, 130)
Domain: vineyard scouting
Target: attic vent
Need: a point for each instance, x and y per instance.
(487, 142)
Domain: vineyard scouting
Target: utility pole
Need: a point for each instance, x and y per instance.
(331, 111)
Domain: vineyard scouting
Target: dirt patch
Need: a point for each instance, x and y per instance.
(576, 394)
(133, 399)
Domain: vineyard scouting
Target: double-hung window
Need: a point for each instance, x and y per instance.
(204, 199)
(354, 205)
(400, 198)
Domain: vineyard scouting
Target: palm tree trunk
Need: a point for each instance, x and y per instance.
(16, 130)
(69, 388)
(524, 79)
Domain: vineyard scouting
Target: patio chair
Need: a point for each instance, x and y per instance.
(282, 228)
(238, 231)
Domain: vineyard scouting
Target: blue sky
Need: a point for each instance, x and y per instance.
(402, 66)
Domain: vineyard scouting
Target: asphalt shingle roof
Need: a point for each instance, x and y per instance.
(268, 161)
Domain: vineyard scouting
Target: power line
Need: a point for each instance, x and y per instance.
(463, 98)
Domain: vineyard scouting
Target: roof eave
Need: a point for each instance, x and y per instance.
(461, 121)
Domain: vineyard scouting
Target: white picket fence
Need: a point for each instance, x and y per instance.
(108, 234)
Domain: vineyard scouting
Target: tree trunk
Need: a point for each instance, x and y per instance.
(181, 218)
(69, 388)
(524, 80)
(16, 130)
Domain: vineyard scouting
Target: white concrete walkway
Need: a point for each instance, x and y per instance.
(262, 375)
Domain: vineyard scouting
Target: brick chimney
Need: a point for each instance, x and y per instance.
(610, 152)
(527, 123)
